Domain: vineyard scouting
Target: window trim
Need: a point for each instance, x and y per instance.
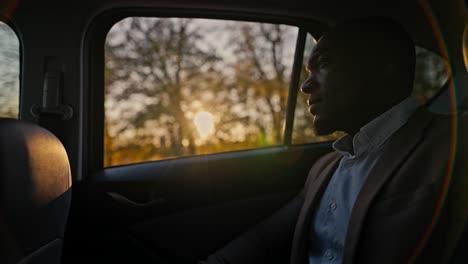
(294, 86)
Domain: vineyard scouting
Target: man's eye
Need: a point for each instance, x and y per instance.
(322, 62)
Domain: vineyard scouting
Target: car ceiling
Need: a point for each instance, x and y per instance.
(450, 15)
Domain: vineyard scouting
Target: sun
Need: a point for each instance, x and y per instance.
(204, 122)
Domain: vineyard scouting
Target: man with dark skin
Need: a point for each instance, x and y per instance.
(357, 72)
(375, 198)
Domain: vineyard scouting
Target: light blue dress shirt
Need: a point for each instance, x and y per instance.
(359, 155)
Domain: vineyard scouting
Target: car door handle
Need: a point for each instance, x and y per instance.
(121, 199)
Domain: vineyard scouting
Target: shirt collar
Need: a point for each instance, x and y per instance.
(377, 131)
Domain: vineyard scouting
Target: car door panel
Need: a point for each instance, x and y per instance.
(181, 210)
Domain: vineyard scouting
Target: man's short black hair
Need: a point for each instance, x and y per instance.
(385, 41)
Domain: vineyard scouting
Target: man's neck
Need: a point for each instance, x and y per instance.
(367, 115)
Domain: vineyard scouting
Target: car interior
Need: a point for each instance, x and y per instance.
(155, 131)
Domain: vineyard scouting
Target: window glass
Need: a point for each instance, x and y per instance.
(430, 77)
(9, 72)
(179, 87)
(430, 74)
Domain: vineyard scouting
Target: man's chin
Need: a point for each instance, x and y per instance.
(321, 128)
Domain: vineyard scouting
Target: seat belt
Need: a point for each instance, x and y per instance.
(52, 108)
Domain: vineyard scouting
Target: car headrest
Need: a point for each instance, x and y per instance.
(35, 192)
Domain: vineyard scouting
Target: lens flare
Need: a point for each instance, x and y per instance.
(454, 126)
(204, 123)
(8, 8)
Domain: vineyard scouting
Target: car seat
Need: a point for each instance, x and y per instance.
(35, 193)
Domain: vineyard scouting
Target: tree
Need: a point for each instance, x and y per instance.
(151, 67)
(9, 72)
(264, 54)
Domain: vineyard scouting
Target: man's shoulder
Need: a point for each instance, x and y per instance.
(435, 125)
(448, 128)
(326, 159)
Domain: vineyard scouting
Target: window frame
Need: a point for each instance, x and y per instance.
(93, 64)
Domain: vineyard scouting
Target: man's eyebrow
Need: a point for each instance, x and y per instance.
(309, 64)
(313, 58)
(317, 54)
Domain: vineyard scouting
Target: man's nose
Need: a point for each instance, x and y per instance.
(308, 85)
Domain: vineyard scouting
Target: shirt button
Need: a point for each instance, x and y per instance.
(332, 206)
(328, 255)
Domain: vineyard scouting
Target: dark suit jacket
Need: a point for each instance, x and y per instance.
(411, 209)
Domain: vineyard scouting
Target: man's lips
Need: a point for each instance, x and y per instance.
(313, 108)
(314, 104)
(313, 100)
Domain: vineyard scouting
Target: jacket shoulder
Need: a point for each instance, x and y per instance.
(320, 165)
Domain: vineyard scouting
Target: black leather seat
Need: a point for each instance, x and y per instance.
(35, 192)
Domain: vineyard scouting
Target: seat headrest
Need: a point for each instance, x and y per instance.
(35, 192)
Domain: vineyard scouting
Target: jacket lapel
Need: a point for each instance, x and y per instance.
(313, 193)
(398, 148)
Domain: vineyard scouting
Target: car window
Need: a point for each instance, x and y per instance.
(9, 72)
(179, 87)
(430, 77)
(430, 74)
